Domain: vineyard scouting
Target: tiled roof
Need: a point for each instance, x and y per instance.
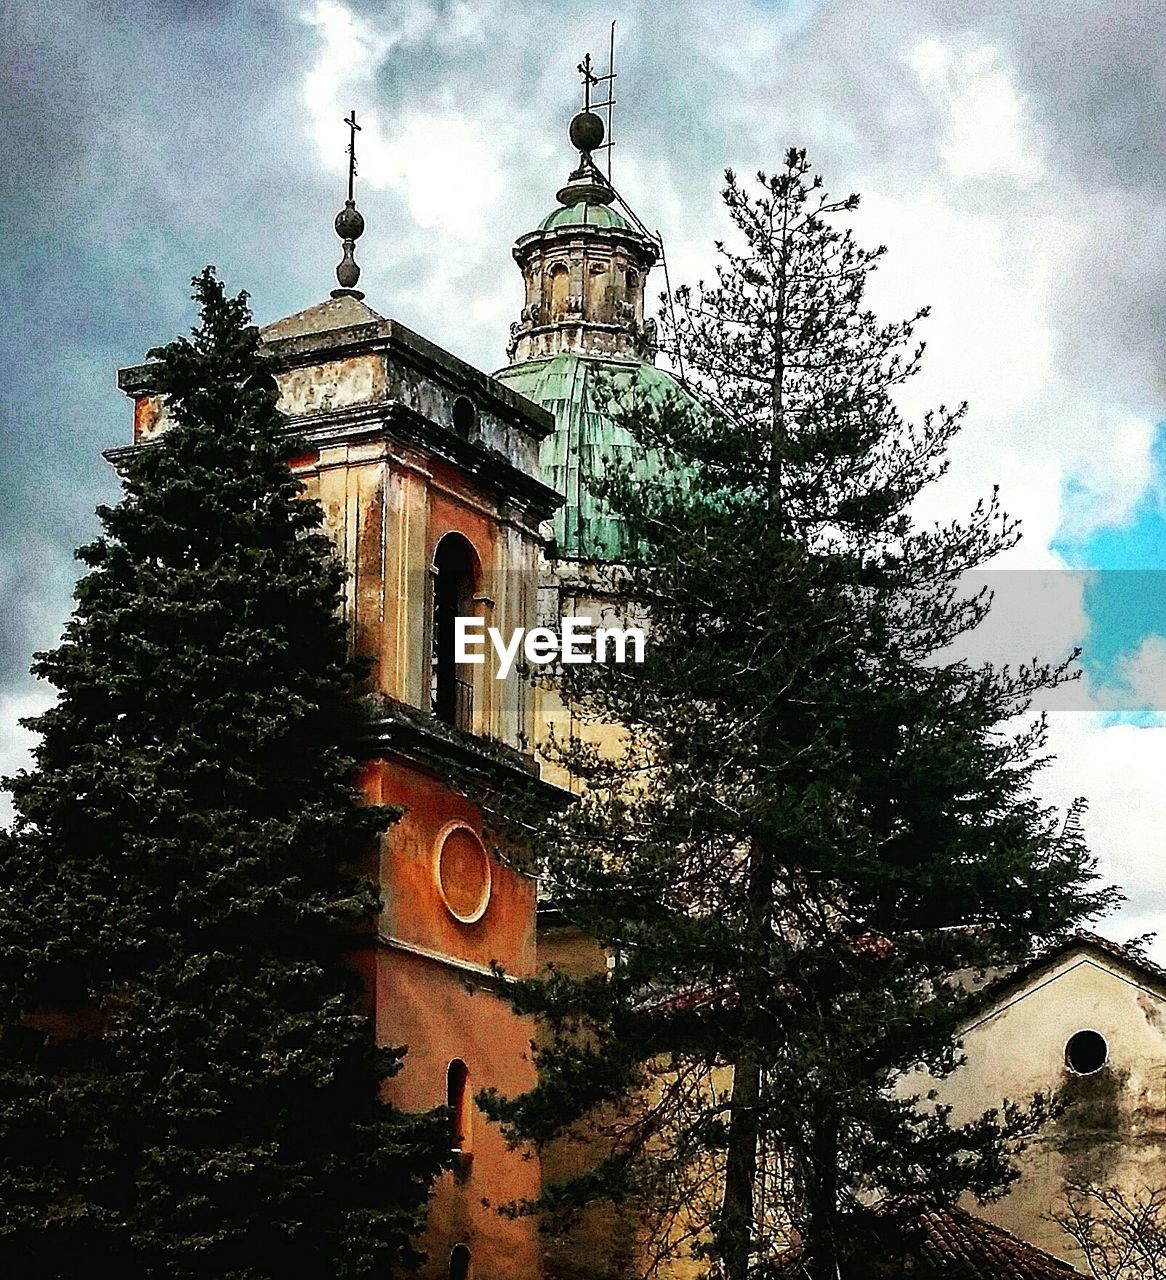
(1153, 974)
(925, 1242)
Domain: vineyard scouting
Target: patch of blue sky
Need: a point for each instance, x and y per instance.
(1125, 591)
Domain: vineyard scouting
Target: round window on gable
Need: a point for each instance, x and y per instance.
(1086, 1052)
(465, 416)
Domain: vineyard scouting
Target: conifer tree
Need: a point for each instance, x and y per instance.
(189, 1084)
(814, 816)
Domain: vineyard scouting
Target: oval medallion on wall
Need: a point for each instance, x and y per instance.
(463, 872)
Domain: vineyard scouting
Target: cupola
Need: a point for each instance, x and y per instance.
(584, 268)
(583, 336)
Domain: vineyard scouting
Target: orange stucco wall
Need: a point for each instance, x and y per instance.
(414, 912)
(455, 506)
(431, 991)
(439, 1015)
(387, 511)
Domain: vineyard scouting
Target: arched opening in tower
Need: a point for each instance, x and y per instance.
(560, 283)
(454, 572)
(457, 1098)
(459, 1263)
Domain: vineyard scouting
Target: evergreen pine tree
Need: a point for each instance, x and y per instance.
(814, 816)
(189, 1085)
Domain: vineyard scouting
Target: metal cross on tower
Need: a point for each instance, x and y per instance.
(353, 130)
(590, 79)
(349, 224)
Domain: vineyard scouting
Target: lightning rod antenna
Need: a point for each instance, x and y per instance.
(611, 73)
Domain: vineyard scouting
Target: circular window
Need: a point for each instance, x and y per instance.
(1086, 1052)
(464, 416)
(463, 873)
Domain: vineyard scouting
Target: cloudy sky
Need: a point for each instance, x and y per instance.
(1012, 157)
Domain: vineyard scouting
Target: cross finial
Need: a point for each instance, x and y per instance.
(353, 130)
(349, 224)
(589, 78)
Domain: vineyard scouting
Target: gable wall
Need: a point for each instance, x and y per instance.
(1114, 1130)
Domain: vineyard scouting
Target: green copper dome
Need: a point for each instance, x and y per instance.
(575, 388)
(585, 214)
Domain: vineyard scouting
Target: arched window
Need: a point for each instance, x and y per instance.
(459, 1263)
(597, 292)
(630, 279)
(560, 284)
(464, 416)
(457, 1098)
(454, 572)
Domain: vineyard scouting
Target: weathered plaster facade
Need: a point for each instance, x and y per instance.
(1114, 1129)
(584, 270)
(586, 282)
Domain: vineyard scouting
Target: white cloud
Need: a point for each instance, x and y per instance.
(1109, 481)
(440, 160)
(16, 743)
(990, 327)
(1136, 682)
(1119, 769)
(987, 131)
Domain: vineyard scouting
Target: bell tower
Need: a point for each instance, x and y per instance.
(428, 474)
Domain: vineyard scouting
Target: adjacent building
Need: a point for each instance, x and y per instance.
(1086, 1020)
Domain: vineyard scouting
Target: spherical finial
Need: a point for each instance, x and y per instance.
(586, 131)
(349, 222)
(349, 227)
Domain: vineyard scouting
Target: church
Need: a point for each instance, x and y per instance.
(451, 493)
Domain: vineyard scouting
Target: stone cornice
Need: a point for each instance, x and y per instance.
(405, 731)
(644, 249)
(391, 420)
(391, 338)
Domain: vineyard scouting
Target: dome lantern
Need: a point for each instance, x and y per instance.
(585, 267)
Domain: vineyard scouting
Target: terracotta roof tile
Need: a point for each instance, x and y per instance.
(1081, 941)
(926, 1242)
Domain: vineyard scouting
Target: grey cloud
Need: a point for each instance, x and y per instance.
(140, 141)
(1097, 74)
